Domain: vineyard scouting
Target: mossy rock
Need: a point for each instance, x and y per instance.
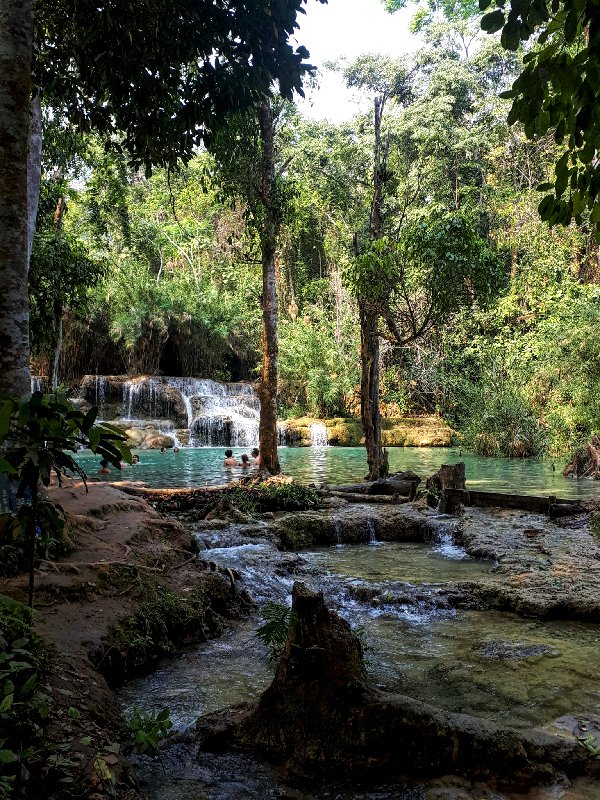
(344, 432)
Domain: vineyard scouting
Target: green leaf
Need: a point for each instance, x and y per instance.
(510, 37)
(8, 757)
(491, 23)
(6, 703)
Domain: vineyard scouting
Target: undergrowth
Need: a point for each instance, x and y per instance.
(274, 497)
(274, 632)
(163, 620)
(24, 706)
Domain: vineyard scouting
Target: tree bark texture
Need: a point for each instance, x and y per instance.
(16, 31)
(369, 391)
(267, 432)
(34, 169)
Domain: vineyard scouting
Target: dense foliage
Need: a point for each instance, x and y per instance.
(489, 316)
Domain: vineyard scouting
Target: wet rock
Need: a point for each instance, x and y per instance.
(355, 523)
(511, 651)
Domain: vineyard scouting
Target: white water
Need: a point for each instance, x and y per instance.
(318, 435)
(218, 414)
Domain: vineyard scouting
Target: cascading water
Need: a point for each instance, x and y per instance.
(100, 392)
(219, 414)
(37, 383)
(318, 435)
(206, 413)
(371, 531)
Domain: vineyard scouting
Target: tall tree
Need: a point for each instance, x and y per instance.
(16, 33)
(249, 168)
(388, 81)
(556, 92)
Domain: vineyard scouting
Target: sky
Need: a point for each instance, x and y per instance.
(347, 28)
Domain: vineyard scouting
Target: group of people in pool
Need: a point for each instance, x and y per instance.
(252, 460)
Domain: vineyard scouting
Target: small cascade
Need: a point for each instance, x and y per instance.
(37, 383)
(100, 392)
(318, 435)
(337, 527)
(371, 531)
(441, 533)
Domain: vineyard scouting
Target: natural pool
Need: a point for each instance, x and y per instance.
(204, 465)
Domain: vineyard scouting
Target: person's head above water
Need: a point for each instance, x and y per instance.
(245, 458)
(254, 452)
(228, 453)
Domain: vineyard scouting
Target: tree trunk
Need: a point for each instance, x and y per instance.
(34, 169)
(267, 432)
(369, 391)
(16, 31)
(57, 350)
(369, 315)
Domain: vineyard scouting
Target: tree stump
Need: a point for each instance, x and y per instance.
(586, 461)
(449, 476)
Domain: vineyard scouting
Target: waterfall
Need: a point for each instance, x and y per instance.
(37, 383)
(219, 414)
(100, 392)
(318, 435)
(281, 434)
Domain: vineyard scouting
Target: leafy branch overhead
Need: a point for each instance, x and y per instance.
(557, 91)
(159, 76)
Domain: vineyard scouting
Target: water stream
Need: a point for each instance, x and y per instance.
(517, 671)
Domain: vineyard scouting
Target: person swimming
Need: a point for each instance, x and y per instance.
(229, 461)
(255, 453)
(135, 459)
(104, 470)
(245, 461)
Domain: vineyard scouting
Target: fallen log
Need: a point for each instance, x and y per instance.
(353, 497)
(552, 506)
(404, 483)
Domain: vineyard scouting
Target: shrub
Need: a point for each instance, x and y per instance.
(269, 496)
